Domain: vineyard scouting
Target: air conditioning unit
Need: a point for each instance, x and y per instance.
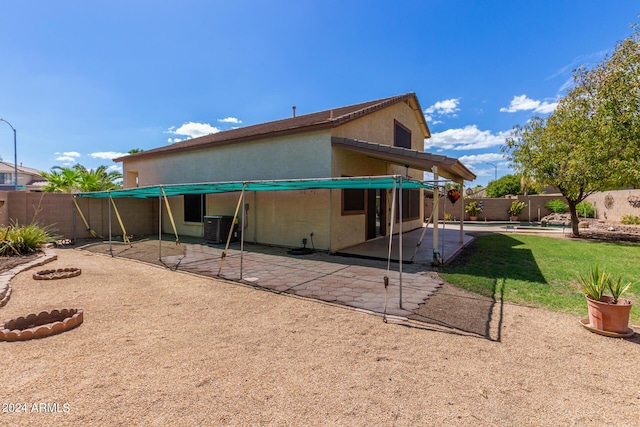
(217, 228)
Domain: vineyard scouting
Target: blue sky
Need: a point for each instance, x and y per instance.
(83, 82)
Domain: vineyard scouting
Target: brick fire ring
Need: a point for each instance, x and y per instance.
(60, 273)
(42, 325)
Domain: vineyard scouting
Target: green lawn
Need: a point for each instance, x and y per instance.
(540, 271)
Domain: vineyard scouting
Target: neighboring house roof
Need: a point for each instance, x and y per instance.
(9, 168)
(448, 167)
(308, 122)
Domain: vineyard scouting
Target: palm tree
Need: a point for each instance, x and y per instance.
(80, 179)
(61, 180)
(98, 179)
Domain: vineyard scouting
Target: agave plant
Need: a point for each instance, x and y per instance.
(617, 288)
(19, 240)
(595, 283)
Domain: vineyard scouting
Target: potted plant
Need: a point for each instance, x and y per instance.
(606, 313)
(453, 195)
(473, 209)
(516, 209)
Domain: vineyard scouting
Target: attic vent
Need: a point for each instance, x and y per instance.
(294, 110)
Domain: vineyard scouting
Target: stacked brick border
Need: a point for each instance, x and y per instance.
(5, 277)
(60, 273)
(41, 325)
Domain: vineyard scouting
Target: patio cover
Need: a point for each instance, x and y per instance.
(395, 182)
(448, 167)
(364, 182)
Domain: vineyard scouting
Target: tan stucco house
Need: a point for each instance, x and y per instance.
(28, 178)
(375, 138)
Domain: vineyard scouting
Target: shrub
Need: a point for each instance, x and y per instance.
(517, 207)
(585, 209)
(22, 240)
(557, 206)
(630, 219)
(473, 208)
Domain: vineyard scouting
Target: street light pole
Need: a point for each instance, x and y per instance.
(15, 155)
(495, 175)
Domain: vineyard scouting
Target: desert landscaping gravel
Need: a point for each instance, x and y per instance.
(166, 348)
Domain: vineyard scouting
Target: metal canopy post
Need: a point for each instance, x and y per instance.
(159, 228)
(244, 213)
(462, 211)
(436, 212)
(109, 207)
(400, 233)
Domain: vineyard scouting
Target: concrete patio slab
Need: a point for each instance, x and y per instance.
(354, 282)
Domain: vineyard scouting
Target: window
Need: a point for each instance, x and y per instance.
(352, 201)
(6, 178)
(401, 135)
(194, 207)
(410, 205)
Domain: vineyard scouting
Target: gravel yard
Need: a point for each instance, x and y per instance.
(160, 347)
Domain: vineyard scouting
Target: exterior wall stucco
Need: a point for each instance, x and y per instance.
(376, 127)
(284, 218)
(289, 157)
(274, 218)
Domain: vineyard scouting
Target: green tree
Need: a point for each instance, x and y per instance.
(507, 184)
(591, 142)
(80, 179)
(98, 179)
(60, 180)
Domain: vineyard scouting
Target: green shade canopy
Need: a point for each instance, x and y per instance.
(364, 182)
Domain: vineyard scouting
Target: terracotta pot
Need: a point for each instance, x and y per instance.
(513, 218)
(609, 317)
(473, 218)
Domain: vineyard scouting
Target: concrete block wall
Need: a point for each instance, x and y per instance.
(613, 205)
(610, 206)
(496, 209)
(57, 210)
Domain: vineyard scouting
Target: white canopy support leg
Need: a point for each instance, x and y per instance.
(462, 211)
(160, 228)
(235, 216)
(244, 213)
(436, 209)
(400, 236)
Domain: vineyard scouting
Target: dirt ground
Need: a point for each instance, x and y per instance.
(161, 347)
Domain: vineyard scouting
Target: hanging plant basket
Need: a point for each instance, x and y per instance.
(453, 195)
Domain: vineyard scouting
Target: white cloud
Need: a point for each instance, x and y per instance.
(524, 103)
(447, 107)
(230, 120)
(467, 138)
(193, 130)
(109, 155)
(66, 159)
(476, 159)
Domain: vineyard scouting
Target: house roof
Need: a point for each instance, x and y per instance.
(447, 167)
(6, 167)
(320, 120)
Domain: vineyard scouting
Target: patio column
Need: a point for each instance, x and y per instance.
(462, 211)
